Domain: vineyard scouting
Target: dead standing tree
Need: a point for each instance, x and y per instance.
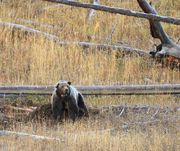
(168, 49)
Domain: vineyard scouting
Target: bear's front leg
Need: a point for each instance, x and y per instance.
(73, 109)
(58, 111)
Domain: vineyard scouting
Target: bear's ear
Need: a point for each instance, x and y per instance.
(69, 82)
(57, 85)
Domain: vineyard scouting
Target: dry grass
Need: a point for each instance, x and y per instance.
(131, 141)
(105, 132)
(31, 59)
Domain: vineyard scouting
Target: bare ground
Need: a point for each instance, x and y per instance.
(120, 116)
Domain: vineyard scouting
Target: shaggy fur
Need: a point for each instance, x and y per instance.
(68, 102)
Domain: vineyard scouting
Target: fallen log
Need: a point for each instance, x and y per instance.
(84, 45)
(30, 30)
(23, 134)
(121, 11)
(118, 47)
(154, 89)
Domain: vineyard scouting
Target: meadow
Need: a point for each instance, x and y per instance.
(32, 59)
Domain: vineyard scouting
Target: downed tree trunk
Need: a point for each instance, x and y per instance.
(153, 89)
(29, 30)
(82, 44)
(167, 48)
(23, 134)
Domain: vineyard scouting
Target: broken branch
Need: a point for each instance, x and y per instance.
(22, 134)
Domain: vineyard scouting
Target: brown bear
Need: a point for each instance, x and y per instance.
(68, 102)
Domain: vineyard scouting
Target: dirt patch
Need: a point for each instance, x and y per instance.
(44, 112)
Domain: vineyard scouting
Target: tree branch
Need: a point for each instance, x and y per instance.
(121, 11)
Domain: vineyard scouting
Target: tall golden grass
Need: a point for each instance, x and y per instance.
(31, 59)
(131, 141)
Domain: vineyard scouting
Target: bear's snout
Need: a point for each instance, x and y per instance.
(62, 91)
(66, 90)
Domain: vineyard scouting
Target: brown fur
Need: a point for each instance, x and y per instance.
(67, 102)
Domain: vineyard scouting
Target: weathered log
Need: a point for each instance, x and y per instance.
(167, 46)
(120, 48)
(23, 134)
(30, 30)
(84, 45)
(121, 11)
(161, 89)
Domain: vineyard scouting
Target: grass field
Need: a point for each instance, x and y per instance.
(136, 130)
(32, 59)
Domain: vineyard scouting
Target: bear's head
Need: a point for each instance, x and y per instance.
(63, 89)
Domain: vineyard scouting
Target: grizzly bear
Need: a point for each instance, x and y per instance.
(67, 102)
